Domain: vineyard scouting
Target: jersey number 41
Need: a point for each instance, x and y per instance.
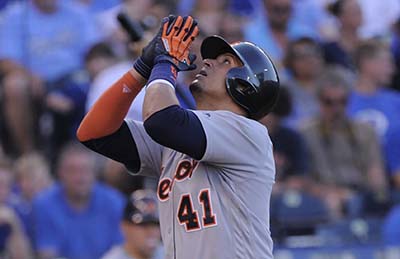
(188, 216)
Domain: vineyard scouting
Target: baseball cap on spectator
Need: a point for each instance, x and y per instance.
(142, 208)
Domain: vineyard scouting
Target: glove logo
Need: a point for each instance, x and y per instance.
(166, 45)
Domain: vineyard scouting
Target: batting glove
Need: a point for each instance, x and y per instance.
(176, 41)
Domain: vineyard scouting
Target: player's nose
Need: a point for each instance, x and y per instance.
(207, 62)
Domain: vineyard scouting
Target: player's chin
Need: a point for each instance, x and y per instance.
(195, 86)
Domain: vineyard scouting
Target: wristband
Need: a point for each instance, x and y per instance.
(160, 81)
(164, 71)
(141, 67)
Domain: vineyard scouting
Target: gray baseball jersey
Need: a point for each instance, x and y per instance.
(217, 207)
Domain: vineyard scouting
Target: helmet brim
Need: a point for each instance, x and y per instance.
(215, 45)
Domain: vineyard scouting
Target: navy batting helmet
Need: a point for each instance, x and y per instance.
(255, 85)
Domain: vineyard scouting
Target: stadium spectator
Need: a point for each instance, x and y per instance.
(77, 217)
(371, 101)
(341, 50)
(140, 227)
(42, 43)
(345, 155)
(304, 63)
(32, 176)
(273, 26)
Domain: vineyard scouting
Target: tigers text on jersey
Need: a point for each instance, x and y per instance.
(217, 207)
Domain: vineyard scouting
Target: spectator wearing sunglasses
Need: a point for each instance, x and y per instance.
(346, 162)
(303, 63)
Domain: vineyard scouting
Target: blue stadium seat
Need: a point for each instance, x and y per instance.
(351, 232)
(296, 213)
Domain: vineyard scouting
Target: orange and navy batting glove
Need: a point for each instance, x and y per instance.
(177, 38)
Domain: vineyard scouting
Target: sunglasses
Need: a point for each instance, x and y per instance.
(327, 101)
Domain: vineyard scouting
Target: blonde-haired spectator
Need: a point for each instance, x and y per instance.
(32, 175)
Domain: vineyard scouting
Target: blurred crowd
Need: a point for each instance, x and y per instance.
(335, 128)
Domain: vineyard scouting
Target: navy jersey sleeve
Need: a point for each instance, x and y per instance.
(119, 146)
(179, 129)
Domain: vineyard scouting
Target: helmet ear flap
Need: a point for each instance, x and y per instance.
(239, 85)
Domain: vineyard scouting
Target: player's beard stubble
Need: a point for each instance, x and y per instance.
(195, 88)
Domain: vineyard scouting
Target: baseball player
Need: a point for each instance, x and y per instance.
(215, 165)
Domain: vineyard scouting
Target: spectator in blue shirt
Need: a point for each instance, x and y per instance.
(371, 101)
(77, 218)
(42, 44)
(48, 38)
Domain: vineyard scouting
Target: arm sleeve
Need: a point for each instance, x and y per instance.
(179, 129)
(119, 146)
